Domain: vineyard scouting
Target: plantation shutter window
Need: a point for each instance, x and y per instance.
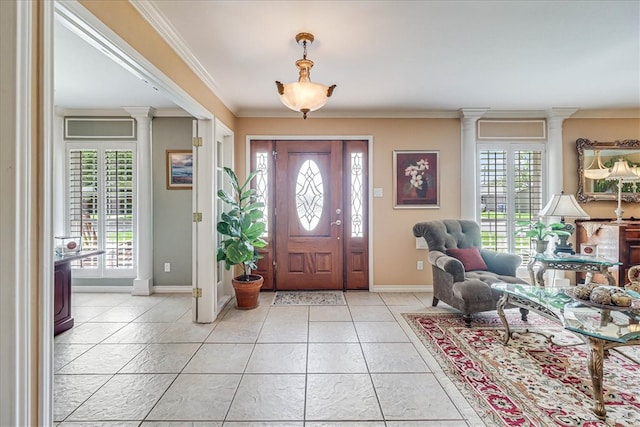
(511, 191)
(101, 207)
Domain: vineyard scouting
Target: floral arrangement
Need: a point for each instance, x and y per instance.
(417, 174)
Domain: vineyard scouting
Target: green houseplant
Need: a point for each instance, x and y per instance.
(539, 231)
(242, 225)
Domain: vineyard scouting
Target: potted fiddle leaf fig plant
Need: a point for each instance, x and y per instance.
(242, 225)
(540, 232)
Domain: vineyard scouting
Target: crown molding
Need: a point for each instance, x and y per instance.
(119, 112)
(163, 27)
(627, 113)
(329, 113)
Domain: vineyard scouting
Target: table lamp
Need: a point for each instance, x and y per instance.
(564, 205)
(621, 172)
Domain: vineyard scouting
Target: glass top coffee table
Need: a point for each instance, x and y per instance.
(567, 262)
(600, 327)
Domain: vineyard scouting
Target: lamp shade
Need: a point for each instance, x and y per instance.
(596, 173)
(622, 171)
(563, 205)
(599, 172)
(304, 96)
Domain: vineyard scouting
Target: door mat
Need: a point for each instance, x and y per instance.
(528, 382)
(309, 298)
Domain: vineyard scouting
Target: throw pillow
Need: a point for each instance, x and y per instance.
(469, 257)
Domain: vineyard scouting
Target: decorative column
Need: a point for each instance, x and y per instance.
(468, 184)
(143, 282)
(555, 159)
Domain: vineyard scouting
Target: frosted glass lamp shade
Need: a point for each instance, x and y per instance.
(596, 173)
(304, 96)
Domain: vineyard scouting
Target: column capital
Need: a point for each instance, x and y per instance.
(472, 113)
(140, 112)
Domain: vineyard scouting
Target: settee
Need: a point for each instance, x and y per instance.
(455, 243)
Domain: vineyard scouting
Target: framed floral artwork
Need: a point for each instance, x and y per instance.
(179, 169)
(416, 179)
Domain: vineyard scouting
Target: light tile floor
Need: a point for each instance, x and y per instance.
(140, 361)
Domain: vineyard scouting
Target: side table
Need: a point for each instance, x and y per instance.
(566, 262)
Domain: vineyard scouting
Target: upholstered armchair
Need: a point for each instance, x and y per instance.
(454, 244)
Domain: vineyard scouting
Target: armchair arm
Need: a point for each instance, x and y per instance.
(448, 264)
(501, 263)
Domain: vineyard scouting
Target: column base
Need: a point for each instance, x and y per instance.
(142, 287)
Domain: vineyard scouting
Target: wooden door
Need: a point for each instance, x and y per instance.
(309, 219)
(312, 259)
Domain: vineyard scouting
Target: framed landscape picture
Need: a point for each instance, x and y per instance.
(179, 169)
(416, 179)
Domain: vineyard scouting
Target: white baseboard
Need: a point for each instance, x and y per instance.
(171, 289)
(177, 289)
(403, 288)
(102, 289)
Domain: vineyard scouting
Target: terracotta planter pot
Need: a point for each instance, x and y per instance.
(247, 291)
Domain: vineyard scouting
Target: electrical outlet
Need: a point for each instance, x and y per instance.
(167, 267)
(420, 265)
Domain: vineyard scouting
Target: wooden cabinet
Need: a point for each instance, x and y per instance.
(617, 242)
(62, 318)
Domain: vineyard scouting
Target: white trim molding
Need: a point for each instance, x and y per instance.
(17, 218)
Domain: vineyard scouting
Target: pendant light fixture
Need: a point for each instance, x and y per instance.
(599, 172)
(304, 95)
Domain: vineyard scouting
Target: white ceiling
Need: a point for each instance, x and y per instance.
(390, 58)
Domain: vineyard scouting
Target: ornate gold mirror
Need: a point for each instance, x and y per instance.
(595, 160)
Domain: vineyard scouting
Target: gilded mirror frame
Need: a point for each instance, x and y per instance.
(599, 189)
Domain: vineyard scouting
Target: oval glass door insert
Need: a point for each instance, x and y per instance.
(309, 195)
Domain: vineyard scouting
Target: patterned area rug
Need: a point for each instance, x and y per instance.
(528, 382)
(309, 298)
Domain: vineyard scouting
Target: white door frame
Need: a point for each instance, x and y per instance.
(18, 217)
(217, 144)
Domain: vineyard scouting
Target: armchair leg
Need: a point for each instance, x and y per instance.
(467, 320)
(434, 302)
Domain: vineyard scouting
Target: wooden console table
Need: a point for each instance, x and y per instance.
(62, 319)
(614, 240)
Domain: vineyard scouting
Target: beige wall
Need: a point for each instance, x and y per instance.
(596, 130)
(394, 253)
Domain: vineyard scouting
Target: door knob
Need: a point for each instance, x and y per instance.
(336, 222)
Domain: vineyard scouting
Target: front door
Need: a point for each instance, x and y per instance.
(309, 215)
(316, 201)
